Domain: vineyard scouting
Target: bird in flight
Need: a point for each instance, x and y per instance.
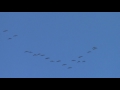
(80, 56)
(15, 35)
(83, 61)
(47, 58)
(26, 51)
(38, 54)
(78, 61)
(34, 54)
(5, 30)
(30, 52)
(64, 64)
(69, 67)
(73, 60)
(88, 51)
(42, 55)
(94, 48)
(58, 60)
(9, 38)
(51, 61)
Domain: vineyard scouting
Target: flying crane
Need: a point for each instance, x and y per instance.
(94, 48)
(88, 51)
(73, 60)
(80, 56)
(9, 38)
(15, 35)
(69, 67)
(58, 61)
(5, 30)
(64, 64)
(47, 58)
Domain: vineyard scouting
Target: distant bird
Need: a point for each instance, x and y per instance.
(47, 58)
(94, 48)
(30, 52)
(51, 61)
(5, 30)
(38, 54)
(73, 60)
(58, 61)
(15, 35)
(69, 67)
(64, 64)
(42, 55)
(80, 56)
(9, 38)
(83, 61)
(34, 54)
(88, 51)
(78, 61)
(26, 51)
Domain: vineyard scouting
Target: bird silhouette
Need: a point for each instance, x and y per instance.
(9, 38)
(30, 52)
(83, 61)
(15, 35)
(26, 51)
(94, 48)
(80, 56)
(73, 60)
(42, 55)
(78, 61)
(5, 30)
(58, 61)
(38, 54)
(34, 54)
(51, 61)
(64, 64)
(47, 58)
(69, 67)
(88, 51)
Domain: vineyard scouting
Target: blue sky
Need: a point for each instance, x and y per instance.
(60, 36)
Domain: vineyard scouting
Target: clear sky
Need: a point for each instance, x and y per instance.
(60, 36)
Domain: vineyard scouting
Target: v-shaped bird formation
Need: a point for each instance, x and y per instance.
(57, 61)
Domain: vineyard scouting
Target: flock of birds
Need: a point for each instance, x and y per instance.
(39, 54)
(10, 37)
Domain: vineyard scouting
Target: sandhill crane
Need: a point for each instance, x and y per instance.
(5, 30)
(64, 64)
(88, 51)
(83, 61)
(38, 54)
(80, 56)
(94, 48)
(30, 52)
(9, 38)
(73, 60)
(42, 55)
(69, 67)
(15, 35)
(51, 61)
(34, 54)
(58, 61)
(47, 58)
(26, 51)
(78, 61)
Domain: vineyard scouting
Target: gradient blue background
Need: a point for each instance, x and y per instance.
(61, 36)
